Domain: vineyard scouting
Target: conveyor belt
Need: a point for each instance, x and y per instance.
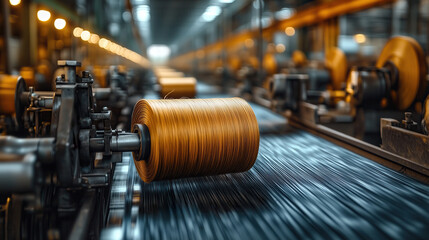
(301, 186)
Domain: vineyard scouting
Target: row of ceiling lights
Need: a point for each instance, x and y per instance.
(85, 35)
(114, 48)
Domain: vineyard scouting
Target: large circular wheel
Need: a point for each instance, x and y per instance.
(408, 57)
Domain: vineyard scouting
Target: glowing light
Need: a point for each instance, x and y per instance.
(280, 48)
(103, 43)
(43, 15)
(14, 2)
(249, 43)
(226, 1)
(113, 47)
(94, 38)
(211, 13)
(284, 13)
(60, 23)
(360, 38)
(290, 31)
(157, 53)
(143, 13)
(77, 31)
(85, 35)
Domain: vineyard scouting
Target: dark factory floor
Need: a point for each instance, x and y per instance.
(302, 186)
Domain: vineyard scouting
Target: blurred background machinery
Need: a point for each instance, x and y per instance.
(339, 89)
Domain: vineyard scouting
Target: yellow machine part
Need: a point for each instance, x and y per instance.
(8, 85)
(408, 57)
(270, 63)
(299, 59)
(234, 63)
(29, 75)
(336, 63)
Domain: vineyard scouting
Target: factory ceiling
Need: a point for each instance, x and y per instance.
(170, 18)
(169, 21)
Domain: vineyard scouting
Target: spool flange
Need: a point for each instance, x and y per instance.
(407, 56)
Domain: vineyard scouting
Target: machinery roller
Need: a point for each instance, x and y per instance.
(398, 79)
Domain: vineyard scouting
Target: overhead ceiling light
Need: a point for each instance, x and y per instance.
(290, 31)
(94, 38)
(226, 1)
(77, 31)
(43, 15)
(284, 13)
(14, 2)
(103, 43)
(85, 35)
(143, 13)
(158, 53)
(280, 48)
(211, 13)
(139, 2)
(360, 38)
(59, 23)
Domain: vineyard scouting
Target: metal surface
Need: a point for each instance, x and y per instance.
(120, 143)
(42, 147)
(408, 144)
(17, 173)
(300, 187)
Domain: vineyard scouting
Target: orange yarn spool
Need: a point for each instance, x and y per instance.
(29, 75)
(169, 74)
(8, 85)
(178, 87)
(196, 137)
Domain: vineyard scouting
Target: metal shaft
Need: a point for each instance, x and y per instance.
(129, 142)
(42, 147)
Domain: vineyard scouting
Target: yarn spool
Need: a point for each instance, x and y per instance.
(169, 74)
(196, 137)
(10, 89)
(178, 87)
(29, 75)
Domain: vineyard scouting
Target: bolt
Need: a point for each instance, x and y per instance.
(408, 116)
(31, 89)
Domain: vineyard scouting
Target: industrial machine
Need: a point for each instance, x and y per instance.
(59, 179)
(187, 119)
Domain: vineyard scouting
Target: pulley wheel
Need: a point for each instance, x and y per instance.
(408, 57)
